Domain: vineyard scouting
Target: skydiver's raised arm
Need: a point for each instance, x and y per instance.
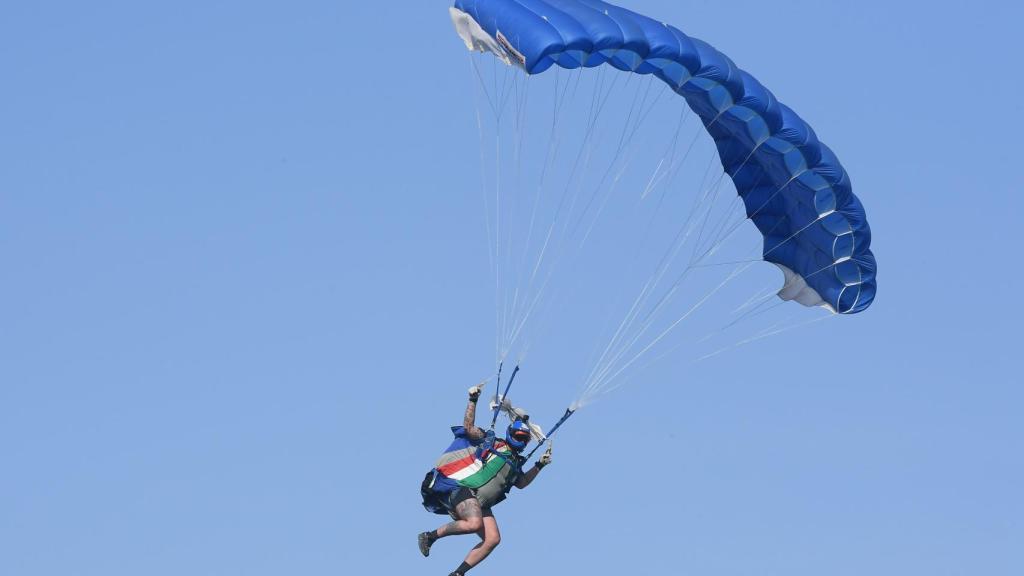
(469, 420)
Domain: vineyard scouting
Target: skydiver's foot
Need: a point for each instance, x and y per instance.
(425, 541)
(456, 574)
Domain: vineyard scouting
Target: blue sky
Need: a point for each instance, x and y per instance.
(245, 286)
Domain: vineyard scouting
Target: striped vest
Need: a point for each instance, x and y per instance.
(468, 463)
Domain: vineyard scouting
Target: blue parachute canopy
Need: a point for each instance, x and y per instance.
(794, 188)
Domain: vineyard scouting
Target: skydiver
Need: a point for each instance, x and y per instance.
(470, 489)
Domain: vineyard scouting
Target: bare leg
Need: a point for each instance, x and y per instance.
(470, 520)
(490, 537)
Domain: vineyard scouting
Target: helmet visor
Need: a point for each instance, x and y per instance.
(522, 436)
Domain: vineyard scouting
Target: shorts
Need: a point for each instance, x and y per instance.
(458, 497)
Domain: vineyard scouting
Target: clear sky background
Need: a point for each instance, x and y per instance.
(244, 288)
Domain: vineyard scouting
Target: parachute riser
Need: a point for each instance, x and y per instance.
(497, 386)
(568, 413)
(498, 400)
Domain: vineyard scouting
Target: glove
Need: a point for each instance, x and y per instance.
(475, 391)
(545, 458)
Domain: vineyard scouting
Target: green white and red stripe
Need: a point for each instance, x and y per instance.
(464, 463)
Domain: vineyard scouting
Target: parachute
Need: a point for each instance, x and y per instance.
(793, 186)
(806, 220)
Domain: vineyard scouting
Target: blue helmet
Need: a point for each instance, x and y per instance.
(518, 435)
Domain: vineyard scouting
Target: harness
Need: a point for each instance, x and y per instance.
(437, 488)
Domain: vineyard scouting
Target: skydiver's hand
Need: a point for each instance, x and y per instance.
(475, 391)
(545, 458)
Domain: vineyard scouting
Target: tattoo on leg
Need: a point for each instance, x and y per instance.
(469, 509)
(464, 511)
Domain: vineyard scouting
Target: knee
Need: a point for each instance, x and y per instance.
(474, 524)
(491, 541)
